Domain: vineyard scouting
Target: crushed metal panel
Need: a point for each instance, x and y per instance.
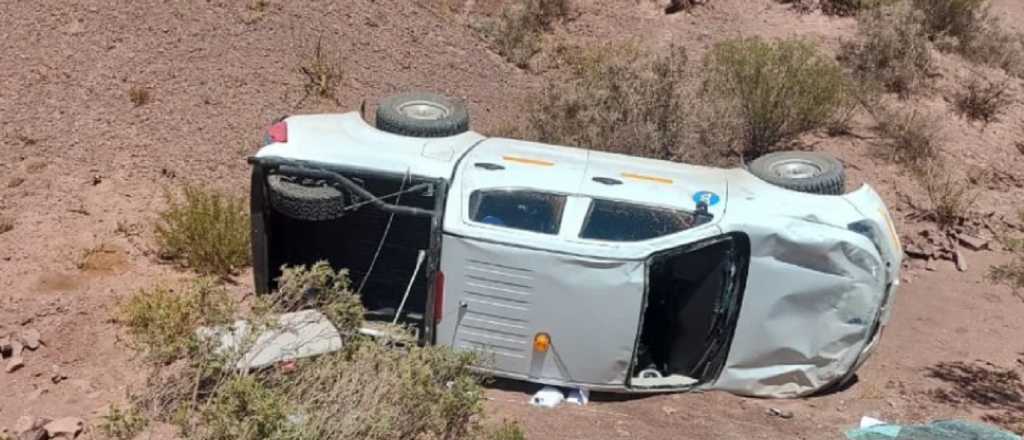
(813, 295)
(295, 335)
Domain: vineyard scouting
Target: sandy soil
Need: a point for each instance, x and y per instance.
(82, 171)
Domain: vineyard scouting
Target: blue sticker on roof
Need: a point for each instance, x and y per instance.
(708, 197)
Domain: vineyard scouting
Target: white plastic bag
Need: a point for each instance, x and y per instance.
(548, 397)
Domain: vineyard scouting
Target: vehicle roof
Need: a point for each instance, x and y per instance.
(570, 171)
(346, 139)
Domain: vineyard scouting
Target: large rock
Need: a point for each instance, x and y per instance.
(31, 428)
(65, 428)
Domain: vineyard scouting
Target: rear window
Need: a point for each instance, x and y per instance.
(618, 221)
(517, 209)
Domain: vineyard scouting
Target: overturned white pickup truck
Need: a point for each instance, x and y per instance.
(567, 266)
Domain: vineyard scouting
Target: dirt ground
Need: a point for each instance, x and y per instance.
(82, 172)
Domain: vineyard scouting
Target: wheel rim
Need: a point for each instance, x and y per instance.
(423, 110)
(796, 169)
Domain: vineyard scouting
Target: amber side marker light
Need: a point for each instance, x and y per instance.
(541, 343)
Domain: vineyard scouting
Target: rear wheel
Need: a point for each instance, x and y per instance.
(421, 114)
(303, 199)
(803, 171)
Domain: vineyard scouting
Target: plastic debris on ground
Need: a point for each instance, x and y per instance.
(578, 396)
(547, 397)
(874, 429)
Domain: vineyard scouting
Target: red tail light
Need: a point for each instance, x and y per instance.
(438, 296)
(277, 132)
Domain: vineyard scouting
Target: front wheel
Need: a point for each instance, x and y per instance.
(808, 172)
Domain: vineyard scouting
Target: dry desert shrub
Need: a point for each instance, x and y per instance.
(771, 92)
(891, 48)
(981, 100)
(205, 230)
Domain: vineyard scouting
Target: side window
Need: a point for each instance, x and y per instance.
(518, 209)
(618, 221)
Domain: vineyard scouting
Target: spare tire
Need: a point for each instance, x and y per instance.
(803, 171)
(421, 114)
(303, 199)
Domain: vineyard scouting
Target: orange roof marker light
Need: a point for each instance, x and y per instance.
(541, 343)
(647, 178)
(528, 161)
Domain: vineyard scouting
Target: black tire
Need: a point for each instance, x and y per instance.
(305, 200)
(807, 172)
(426, 115)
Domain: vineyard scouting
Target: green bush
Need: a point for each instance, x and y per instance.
(162, 322)
(319, 287)
(891, 49)
(612, 98)
(507, 431)
(418, 392)
(372, 389)
(205, 230)
(772, 91)
(123, 424)
(244, 408)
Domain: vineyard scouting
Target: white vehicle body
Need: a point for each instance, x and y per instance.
(804, 282)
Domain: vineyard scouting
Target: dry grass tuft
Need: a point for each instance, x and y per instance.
(951, 198)
(518, 32)
(139, 96)
(981, 100)
(205, 230)
(911, 137)
(1012, 273)
(321, 75)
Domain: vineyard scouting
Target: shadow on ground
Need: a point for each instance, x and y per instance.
(982, 386)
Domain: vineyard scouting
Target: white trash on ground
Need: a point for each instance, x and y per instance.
(579, 396)
(547, 397)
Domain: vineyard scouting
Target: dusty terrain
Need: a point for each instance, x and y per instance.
(82, 171)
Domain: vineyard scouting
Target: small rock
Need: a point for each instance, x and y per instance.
(29, 337)
(35, 395)
(67, 427)
(57, 376)
(97, 179)
(961, 262)
(930, 265)
(973, 243)
(14, 364)
(5, 346)
(668, 410)
(35, 434)
(31, 428)
(780, 413)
